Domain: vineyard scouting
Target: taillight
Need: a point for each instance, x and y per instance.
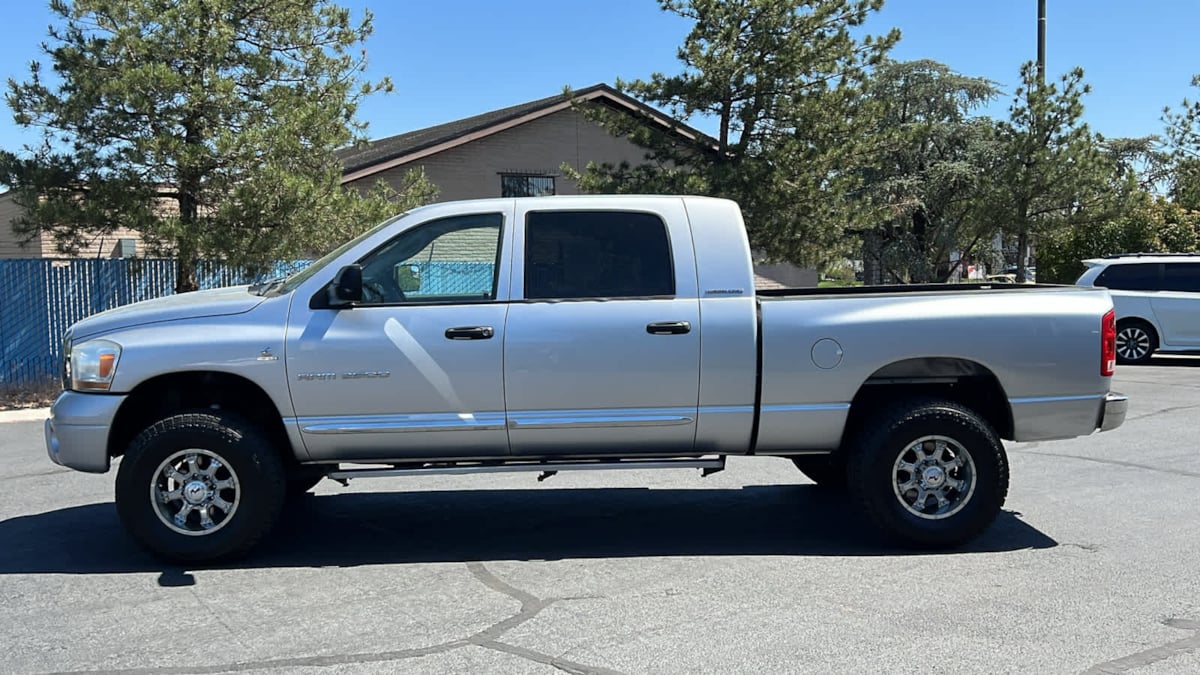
(1108, 344)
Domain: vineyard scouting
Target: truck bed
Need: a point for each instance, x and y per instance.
(905, 289)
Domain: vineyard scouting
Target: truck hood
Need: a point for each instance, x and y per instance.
(217, 302)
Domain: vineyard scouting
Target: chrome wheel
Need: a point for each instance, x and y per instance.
(1133, 343)
(195, 492)
(934, 477)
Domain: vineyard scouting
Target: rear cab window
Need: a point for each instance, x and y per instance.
(572, 255)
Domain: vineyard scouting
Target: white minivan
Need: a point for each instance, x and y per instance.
(1157, 300)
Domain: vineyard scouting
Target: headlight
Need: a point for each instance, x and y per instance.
(93, 365)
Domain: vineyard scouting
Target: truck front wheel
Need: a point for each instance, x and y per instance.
(199, 487)
(929, 474)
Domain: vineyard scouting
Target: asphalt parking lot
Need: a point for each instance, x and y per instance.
(1094, 567)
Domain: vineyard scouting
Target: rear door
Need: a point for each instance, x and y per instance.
(602, 343)
(1177, 305)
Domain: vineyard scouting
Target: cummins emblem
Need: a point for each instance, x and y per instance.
(352, 375)
(366, 374)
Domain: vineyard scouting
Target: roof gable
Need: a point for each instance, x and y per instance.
(361, 161)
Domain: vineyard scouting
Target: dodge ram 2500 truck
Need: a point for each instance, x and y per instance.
(569, 333)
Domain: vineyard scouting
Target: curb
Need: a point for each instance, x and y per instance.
(24, 415)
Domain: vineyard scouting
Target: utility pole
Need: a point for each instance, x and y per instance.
(1023, 243)
(1041, 62)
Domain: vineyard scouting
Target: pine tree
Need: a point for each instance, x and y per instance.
(784, 82)
(206, 125)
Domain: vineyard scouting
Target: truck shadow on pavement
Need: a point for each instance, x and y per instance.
(512, 524)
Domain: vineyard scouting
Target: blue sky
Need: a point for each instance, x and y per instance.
(454, 58)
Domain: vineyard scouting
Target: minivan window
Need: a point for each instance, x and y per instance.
(597, 254)
(1181, 277)
(1132, 277)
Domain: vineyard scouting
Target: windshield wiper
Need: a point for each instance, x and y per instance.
(264, 287)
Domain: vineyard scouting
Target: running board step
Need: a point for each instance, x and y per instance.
(708, 465)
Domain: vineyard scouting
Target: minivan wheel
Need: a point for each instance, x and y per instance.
(929, 474)
(1136, 342)
(200, 487)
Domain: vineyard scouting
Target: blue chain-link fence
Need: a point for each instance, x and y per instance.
(40, 299)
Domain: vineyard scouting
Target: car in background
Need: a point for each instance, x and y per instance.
(1157, 300)
(1030, 273)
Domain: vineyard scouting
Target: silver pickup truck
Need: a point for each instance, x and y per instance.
(570, 333)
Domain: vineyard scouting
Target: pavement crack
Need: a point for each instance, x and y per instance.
(220, 619)
(545, 659)
(1113, 462)
(292, 663)
(1154, 655)
(35, 474)
(531, 605)
(1161, 384)
(1155, 413)
(487, 578)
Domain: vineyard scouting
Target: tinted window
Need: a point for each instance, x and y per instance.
(447, 260)
(1181, 277)
(609, 254)
(1136, 277)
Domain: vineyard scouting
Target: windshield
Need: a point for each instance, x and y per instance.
(291, 283)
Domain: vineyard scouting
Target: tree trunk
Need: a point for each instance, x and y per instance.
(1022, 253)
(871, 252)
(185, 268)
(186, 250)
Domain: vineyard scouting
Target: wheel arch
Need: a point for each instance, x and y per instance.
(1138, 318)
(171, 393)
(963, 381)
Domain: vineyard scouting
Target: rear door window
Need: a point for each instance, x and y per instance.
(1131, 277)
(1181, 277)
(597, 254)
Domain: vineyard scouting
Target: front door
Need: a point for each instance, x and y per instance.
(602, 349)
(415, 370)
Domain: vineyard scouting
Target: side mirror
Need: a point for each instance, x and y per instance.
(347, 287)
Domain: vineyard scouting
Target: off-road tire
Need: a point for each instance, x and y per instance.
(241, 446)
(871, 470)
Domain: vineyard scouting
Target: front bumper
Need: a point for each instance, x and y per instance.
(77, 430)
(1115, 407)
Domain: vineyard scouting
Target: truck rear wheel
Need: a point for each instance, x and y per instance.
(824, 470)
(200, 487)
(929, 474)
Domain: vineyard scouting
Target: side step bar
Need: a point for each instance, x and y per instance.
(707, 465)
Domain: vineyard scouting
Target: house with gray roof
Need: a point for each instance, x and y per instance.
(516, 151)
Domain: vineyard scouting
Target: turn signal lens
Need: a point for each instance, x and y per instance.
(1108, 344)
(93, 365)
